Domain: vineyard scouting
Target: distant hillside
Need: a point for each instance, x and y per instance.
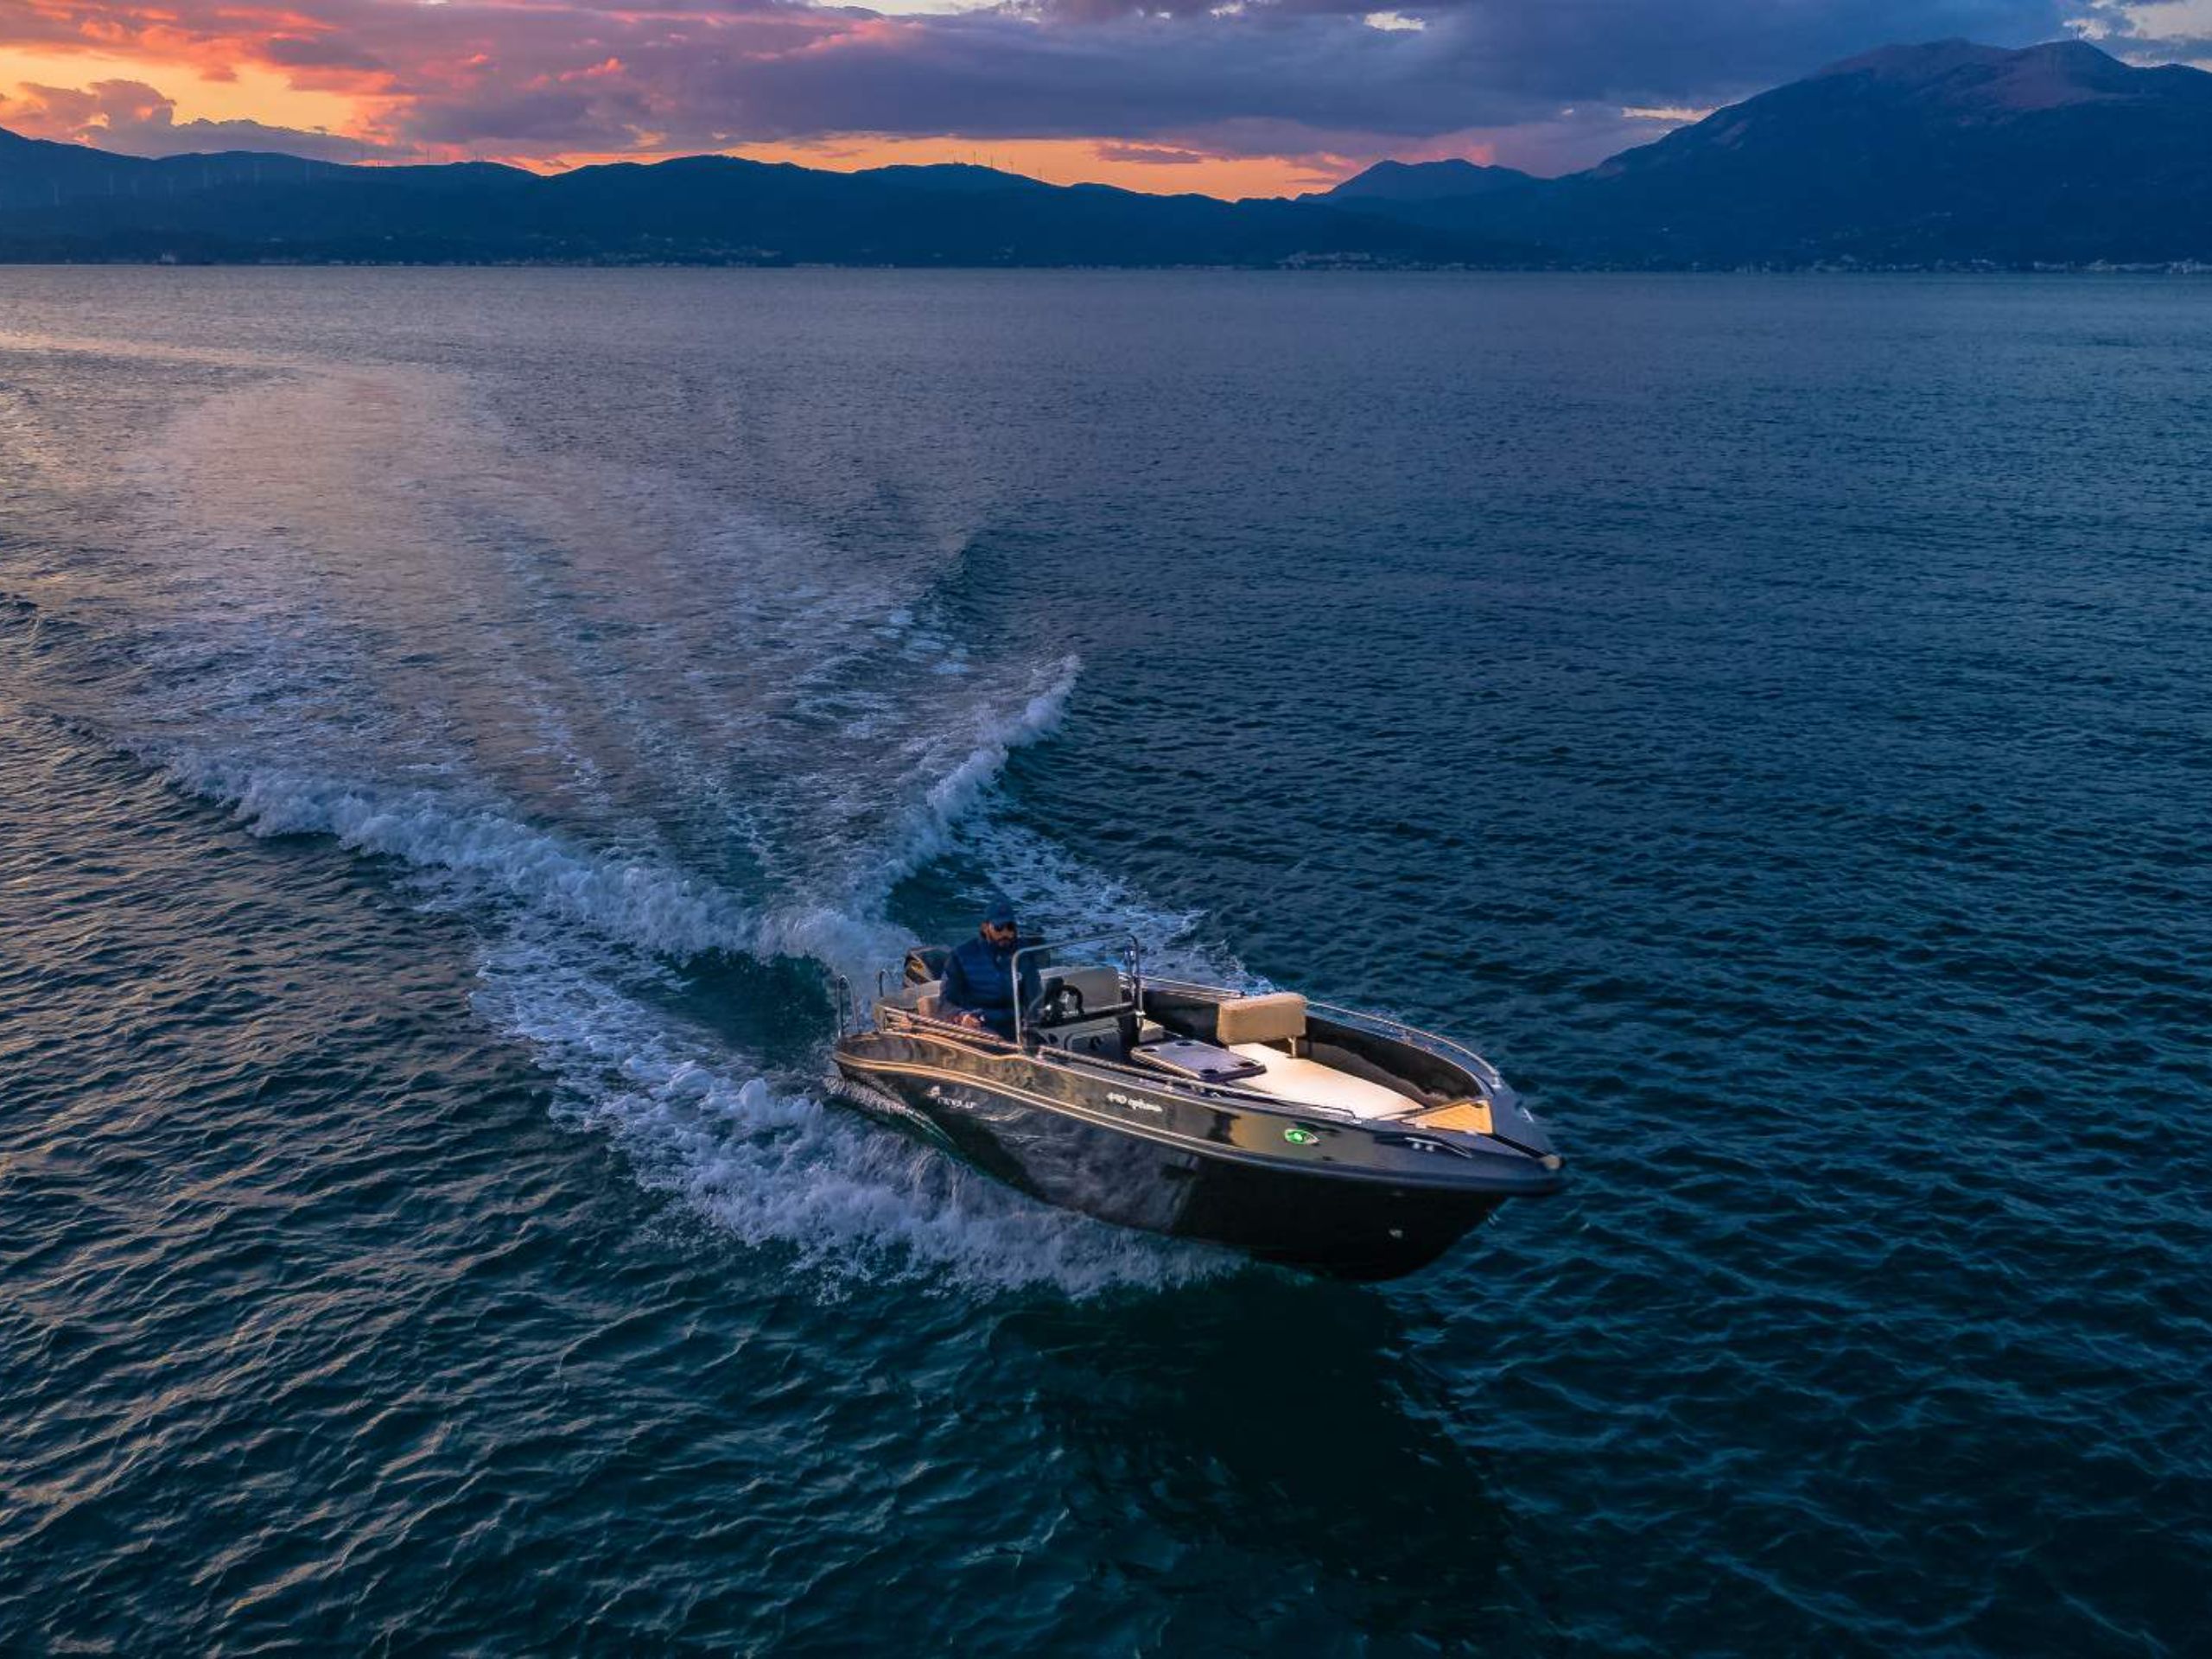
(63, 201)
(1409, 182)
(1949, 153)
(1918, 154)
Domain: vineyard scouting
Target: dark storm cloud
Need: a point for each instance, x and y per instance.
(556, 117)
(1064, 68)
(300, 52)
(1546, 83)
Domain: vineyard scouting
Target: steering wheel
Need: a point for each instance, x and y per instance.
(1062, 1003)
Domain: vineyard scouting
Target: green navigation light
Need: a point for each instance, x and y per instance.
(1298, 1137)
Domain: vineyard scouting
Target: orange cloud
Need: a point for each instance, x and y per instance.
(552, 82)
(1228, 96)
(136, 119)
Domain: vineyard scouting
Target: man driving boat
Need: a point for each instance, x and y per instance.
(978, 987)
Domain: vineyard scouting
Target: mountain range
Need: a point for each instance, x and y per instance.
(1943, 154)
(1922, 154)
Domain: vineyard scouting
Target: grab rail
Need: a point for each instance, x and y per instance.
(907, 1018)
(1271, 1103)
(1381, 1025)
(891, 1016)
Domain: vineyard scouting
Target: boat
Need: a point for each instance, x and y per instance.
(1320, 1138)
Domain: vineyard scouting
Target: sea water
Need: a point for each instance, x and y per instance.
(454, 723)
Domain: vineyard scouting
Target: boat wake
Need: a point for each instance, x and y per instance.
(627, 729)
(775, 1165)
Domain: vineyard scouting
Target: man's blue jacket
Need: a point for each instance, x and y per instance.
(979, 979)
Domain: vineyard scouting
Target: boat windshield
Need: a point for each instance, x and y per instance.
(1067, 981)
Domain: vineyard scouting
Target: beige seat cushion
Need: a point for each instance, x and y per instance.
(1278, 1017)
(1311, 1083)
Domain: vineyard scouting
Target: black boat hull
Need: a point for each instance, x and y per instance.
(1325, 1197)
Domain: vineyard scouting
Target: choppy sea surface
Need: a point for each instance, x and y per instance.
(450, 721)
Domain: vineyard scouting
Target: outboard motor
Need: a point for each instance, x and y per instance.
(925, 963)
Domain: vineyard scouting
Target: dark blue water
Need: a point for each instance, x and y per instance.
(448, 720)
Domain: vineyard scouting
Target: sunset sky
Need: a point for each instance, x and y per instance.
(1229, 96)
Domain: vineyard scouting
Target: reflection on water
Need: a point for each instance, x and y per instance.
(1329, 1471)
(451, 722)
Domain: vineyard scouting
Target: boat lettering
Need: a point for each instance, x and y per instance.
(1134, 1103)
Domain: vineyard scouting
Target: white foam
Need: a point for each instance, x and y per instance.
(847, 930)
(553, 689)
(1061, 895)
(770, 1165)
(636, 901)
(762, 1159)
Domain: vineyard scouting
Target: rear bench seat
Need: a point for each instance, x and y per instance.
(1251, 1026)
